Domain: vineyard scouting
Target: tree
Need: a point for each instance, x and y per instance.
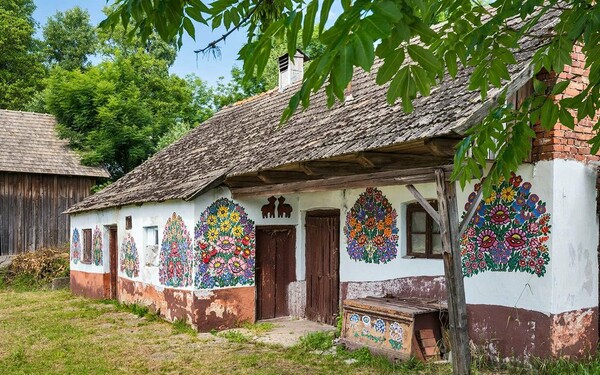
(21, 68)
(115, 113)
(69, 39)
(473, 35)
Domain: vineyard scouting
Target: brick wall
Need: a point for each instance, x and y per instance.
(562, 142)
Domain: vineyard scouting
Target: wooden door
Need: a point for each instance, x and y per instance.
(275, 269)
(322, 265)
(113, 249)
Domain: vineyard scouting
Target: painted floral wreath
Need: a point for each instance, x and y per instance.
(371, 231)
(130, 260)
(97, 247)
(224, 246)
(508, 231)
(75, 246)
(176, 254)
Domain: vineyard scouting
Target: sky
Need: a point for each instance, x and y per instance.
(208, 68)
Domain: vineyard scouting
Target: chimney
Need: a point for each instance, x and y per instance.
(291, 69)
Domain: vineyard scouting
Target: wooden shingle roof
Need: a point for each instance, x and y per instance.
(29, 144)
(245, 138)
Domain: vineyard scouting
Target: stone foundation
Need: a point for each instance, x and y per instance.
(429, 287)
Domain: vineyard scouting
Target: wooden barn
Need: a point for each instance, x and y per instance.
(40, 178)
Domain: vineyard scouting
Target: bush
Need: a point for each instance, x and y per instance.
(34, 269)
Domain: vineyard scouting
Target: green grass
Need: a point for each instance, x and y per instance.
(258, 328)
(53, 332)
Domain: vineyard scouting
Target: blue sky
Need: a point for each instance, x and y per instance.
(207, 68)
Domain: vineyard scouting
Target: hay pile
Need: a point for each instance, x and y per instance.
(39, 266)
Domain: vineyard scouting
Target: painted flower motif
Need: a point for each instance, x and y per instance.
(500, 215)
(508, 194)
(354, 319)
(515, 238)
(396, 331)
(211, 220)
(486, 239)
(97, 249)
(75, 246)
(379, 326)
(229, 257)
(176, 254)
(218, 265)
(508, 231)
(366, 320)
(370, 228)
(236, 265)
(129, 258)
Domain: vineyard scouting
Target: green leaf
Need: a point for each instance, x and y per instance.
(292, 36)
(189, 27)
(325, 10)
(560, 87)
(342, 68)
(309, 22)
(389, 10)
(364, 51)
(421, 79)
(195, 14)
(451, 62)
(390, 67)
(425, 58)
(549, 114)
(378, 27)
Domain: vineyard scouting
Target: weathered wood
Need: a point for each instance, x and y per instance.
(401, 177)
(114, 260)
(470, 212)
(511, 88)
(32, 206)
(424, 203)
(442, 146)
(457, 307)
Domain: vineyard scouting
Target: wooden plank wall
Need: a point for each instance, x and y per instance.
(31, 207)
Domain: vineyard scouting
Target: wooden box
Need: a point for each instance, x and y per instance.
(394, 327)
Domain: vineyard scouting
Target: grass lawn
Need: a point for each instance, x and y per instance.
(43, 332)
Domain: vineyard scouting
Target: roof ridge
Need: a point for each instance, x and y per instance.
(27, 112)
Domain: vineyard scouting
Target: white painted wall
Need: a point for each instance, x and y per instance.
(570, 281)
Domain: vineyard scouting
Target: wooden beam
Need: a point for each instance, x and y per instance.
(518, 81)
(457, 306)
(444, 147)
(364, 160)
(424, 203)
(470, 212)
(399, 177)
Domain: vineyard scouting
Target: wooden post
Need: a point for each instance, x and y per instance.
(457, 307)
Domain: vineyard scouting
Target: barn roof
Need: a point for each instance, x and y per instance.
(242, 140)
(30, 144)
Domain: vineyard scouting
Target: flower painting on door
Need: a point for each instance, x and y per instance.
(371, 231)
(75, 246)
(224, 246)
(97, 247)
(130, 260)
(508, 231)
(176, 254)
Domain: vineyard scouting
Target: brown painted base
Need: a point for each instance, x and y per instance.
(91, 285)
(428, 287)
(206, 310)
(511, 332)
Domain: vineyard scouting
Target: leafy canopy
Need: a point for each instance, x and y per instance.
(415, 54)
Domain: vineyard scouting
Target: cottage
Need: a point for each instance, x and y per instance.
(40, 177)
(241, 221)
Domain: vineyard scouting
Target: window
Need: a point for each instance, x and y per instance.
(87, 246)
(151, 245)
(128, 223)
(423, 233)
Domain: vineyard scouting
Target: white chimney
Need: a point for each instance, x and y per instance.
(291, 69)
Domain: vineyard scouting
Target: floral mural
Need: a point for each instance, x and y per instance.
(508, 231)
(130, 260)
(97, 247)
(224, 246)
(176, 254)
(371, 231)
(75, 246)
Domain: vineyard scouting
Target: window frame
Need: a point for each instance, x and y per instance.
(87, 246)
(412, 208)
